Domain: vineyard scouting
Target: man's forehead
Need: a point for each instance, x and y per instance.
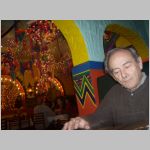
(120, 58)
(121, 52)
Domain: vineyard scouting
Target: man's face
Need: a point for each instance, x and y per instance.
(125, 69)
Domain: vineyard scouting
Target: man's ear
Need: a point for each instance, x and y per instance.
(140, 63)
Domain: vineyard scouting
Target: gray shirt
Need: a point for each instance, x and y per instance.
(121, 107)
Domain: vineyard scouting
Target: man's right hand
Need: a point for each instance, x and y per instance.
(76, 123)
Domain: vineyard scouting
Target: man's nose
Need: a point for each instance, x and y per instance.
(123, 74)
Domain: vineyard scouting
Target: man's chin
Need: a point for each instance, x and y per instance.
(128, 87)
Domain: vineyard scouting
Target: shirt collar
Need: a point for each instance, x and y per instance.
(144, 76)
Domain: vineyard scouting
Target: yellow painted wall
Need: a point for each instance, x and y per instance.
(75, 40)
(132, 37)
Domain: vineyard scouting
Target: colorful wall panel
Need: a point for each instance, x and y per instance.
(85, 83)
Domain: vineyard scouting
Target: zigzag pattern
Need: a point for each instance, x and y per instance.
(86, 88)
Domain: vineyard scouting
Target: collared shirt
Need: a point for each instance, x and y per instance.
(144, 76)
(120, 107)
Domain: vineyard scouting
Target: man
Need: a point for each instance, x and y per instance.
(127, 103)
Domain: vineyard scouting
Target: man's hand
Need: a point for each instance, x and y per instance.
(76, 123)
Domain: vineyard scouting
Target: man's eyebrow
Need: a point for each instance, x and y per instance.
(127, 62)
(115, 69)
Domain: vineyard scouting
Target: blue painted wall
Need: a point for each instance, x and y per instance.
(92, 31)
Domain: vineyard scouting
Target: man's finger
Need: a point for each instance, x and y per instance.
(65, 127)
